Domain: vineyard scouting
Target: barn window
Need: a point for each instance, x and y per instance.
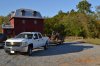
(23, 21)
(23, 12)
(34, 13)
(35, 22)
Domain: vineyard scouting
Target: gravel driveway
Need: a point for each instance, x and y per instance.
(68, 54)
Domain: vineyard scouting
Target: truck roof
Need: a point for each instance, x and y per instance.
(29, 32)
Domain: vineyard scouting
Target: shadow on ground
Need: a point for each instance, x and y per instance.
(62, 49)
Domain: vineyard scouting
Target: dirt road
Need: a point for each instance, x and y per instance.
(68, 54)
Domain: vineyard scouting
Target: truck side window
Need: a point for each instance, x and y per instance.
(39, 35)
(29, 36)
(35, 36)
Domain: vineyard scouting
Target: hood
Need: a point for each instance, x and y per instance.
(16, 40)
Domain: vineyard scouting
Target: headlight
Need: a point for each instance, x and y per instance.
(24, 43)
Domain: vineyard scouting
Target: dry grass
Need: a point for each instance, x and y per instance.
(93, 41)
(73, 38)
(70, 40)
(89, 40)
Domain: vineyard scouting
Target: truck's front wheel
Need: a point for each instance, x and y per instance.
(29, 50)
(46, 46)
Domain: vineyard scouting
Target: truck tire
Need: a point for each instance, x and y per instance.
(29, 50)
(46, 46)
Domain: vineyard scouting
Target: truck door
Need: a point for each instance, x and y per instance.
(35, 41)
(41, 41)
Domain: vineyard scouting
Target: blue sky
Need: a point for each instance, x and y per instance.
(45, 7)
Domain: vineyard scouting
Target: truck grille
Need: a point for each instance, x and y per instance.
(13, 44)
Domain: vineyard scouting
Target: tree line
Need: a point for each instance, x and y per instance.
(82, 22)
(4, 19)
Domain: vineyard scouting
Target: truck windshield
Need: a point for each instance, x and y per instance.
(28, 36)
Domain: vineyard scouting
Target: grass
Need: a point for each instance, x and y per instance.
(69, 40)
(73, 40)
(89, 40)
(93, 41)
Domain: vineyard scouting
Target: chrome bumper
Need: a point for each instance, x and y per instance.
(16, 49)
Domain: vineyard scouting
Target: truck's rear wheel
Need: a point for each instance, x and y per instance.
(29, 50)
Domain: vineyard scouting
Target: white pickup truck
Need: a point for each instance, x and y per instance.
(26, 42)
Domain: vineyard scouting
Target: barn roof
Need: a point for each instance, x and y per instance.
(28, 13)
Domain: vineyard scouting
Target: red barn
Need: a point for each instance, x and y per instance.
(23, 20)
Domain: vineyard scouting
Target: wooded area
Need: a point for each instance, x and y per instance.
(83, 22)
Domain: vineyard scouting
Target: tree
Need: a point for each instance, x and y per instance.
(1, 19)
(55, 23)
(98, 12)
(98, 8)
(82, 23)
(84, 7)
(72, 11)
(4, 19)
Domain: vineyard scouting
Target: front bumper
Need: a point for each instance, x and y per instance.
(15, 49)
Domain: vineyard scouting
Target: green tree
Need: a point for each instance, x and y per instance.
(98, 12)
(1, 19)
(81, 23)
(55, 23)
(84, 7)
(6, 20)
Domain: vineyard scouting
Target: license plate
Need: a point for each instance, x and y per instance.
(12, 51)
